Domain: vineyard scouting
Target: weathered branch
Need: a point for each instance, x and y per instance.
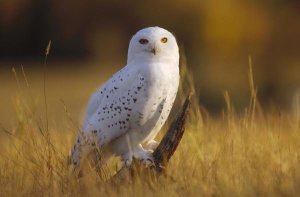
(165, 149)
(170, 141)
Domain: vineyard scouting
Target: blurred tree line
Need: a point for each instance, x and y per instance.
(217, 38)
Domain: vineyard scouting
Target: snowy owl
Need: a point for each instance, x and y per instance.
(125, 114)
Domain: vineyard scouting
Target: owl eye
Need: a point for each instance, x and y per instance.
(143, 41)
(164, 40)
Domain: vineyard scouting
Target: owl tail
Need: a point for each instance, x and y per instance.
(78, 155)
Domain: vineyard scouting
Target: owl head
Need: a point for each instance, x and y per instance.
(153, 43)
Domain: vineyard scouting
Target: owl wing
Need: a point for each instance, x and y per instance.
(112, 107)
(99, 95)
(94, 102)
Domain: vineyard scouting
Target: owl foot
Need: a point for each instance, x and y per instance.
(145, 156)
(151, 144)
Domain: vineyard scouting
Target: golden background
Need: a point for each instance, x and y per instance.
(90, 40)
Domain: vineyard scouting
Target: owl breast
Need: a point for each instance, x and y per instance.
(160, 89)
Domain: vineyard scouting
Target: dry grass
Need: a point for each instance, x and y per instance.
(250, 154)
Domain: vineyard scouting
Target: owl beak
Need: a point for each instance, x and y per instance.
(153, 50)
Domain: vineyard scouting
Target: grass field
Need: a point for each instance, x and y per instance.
(255, 153)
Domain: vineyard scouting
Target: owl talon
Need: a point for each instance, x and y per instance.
(146, 158)
(148, 162)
